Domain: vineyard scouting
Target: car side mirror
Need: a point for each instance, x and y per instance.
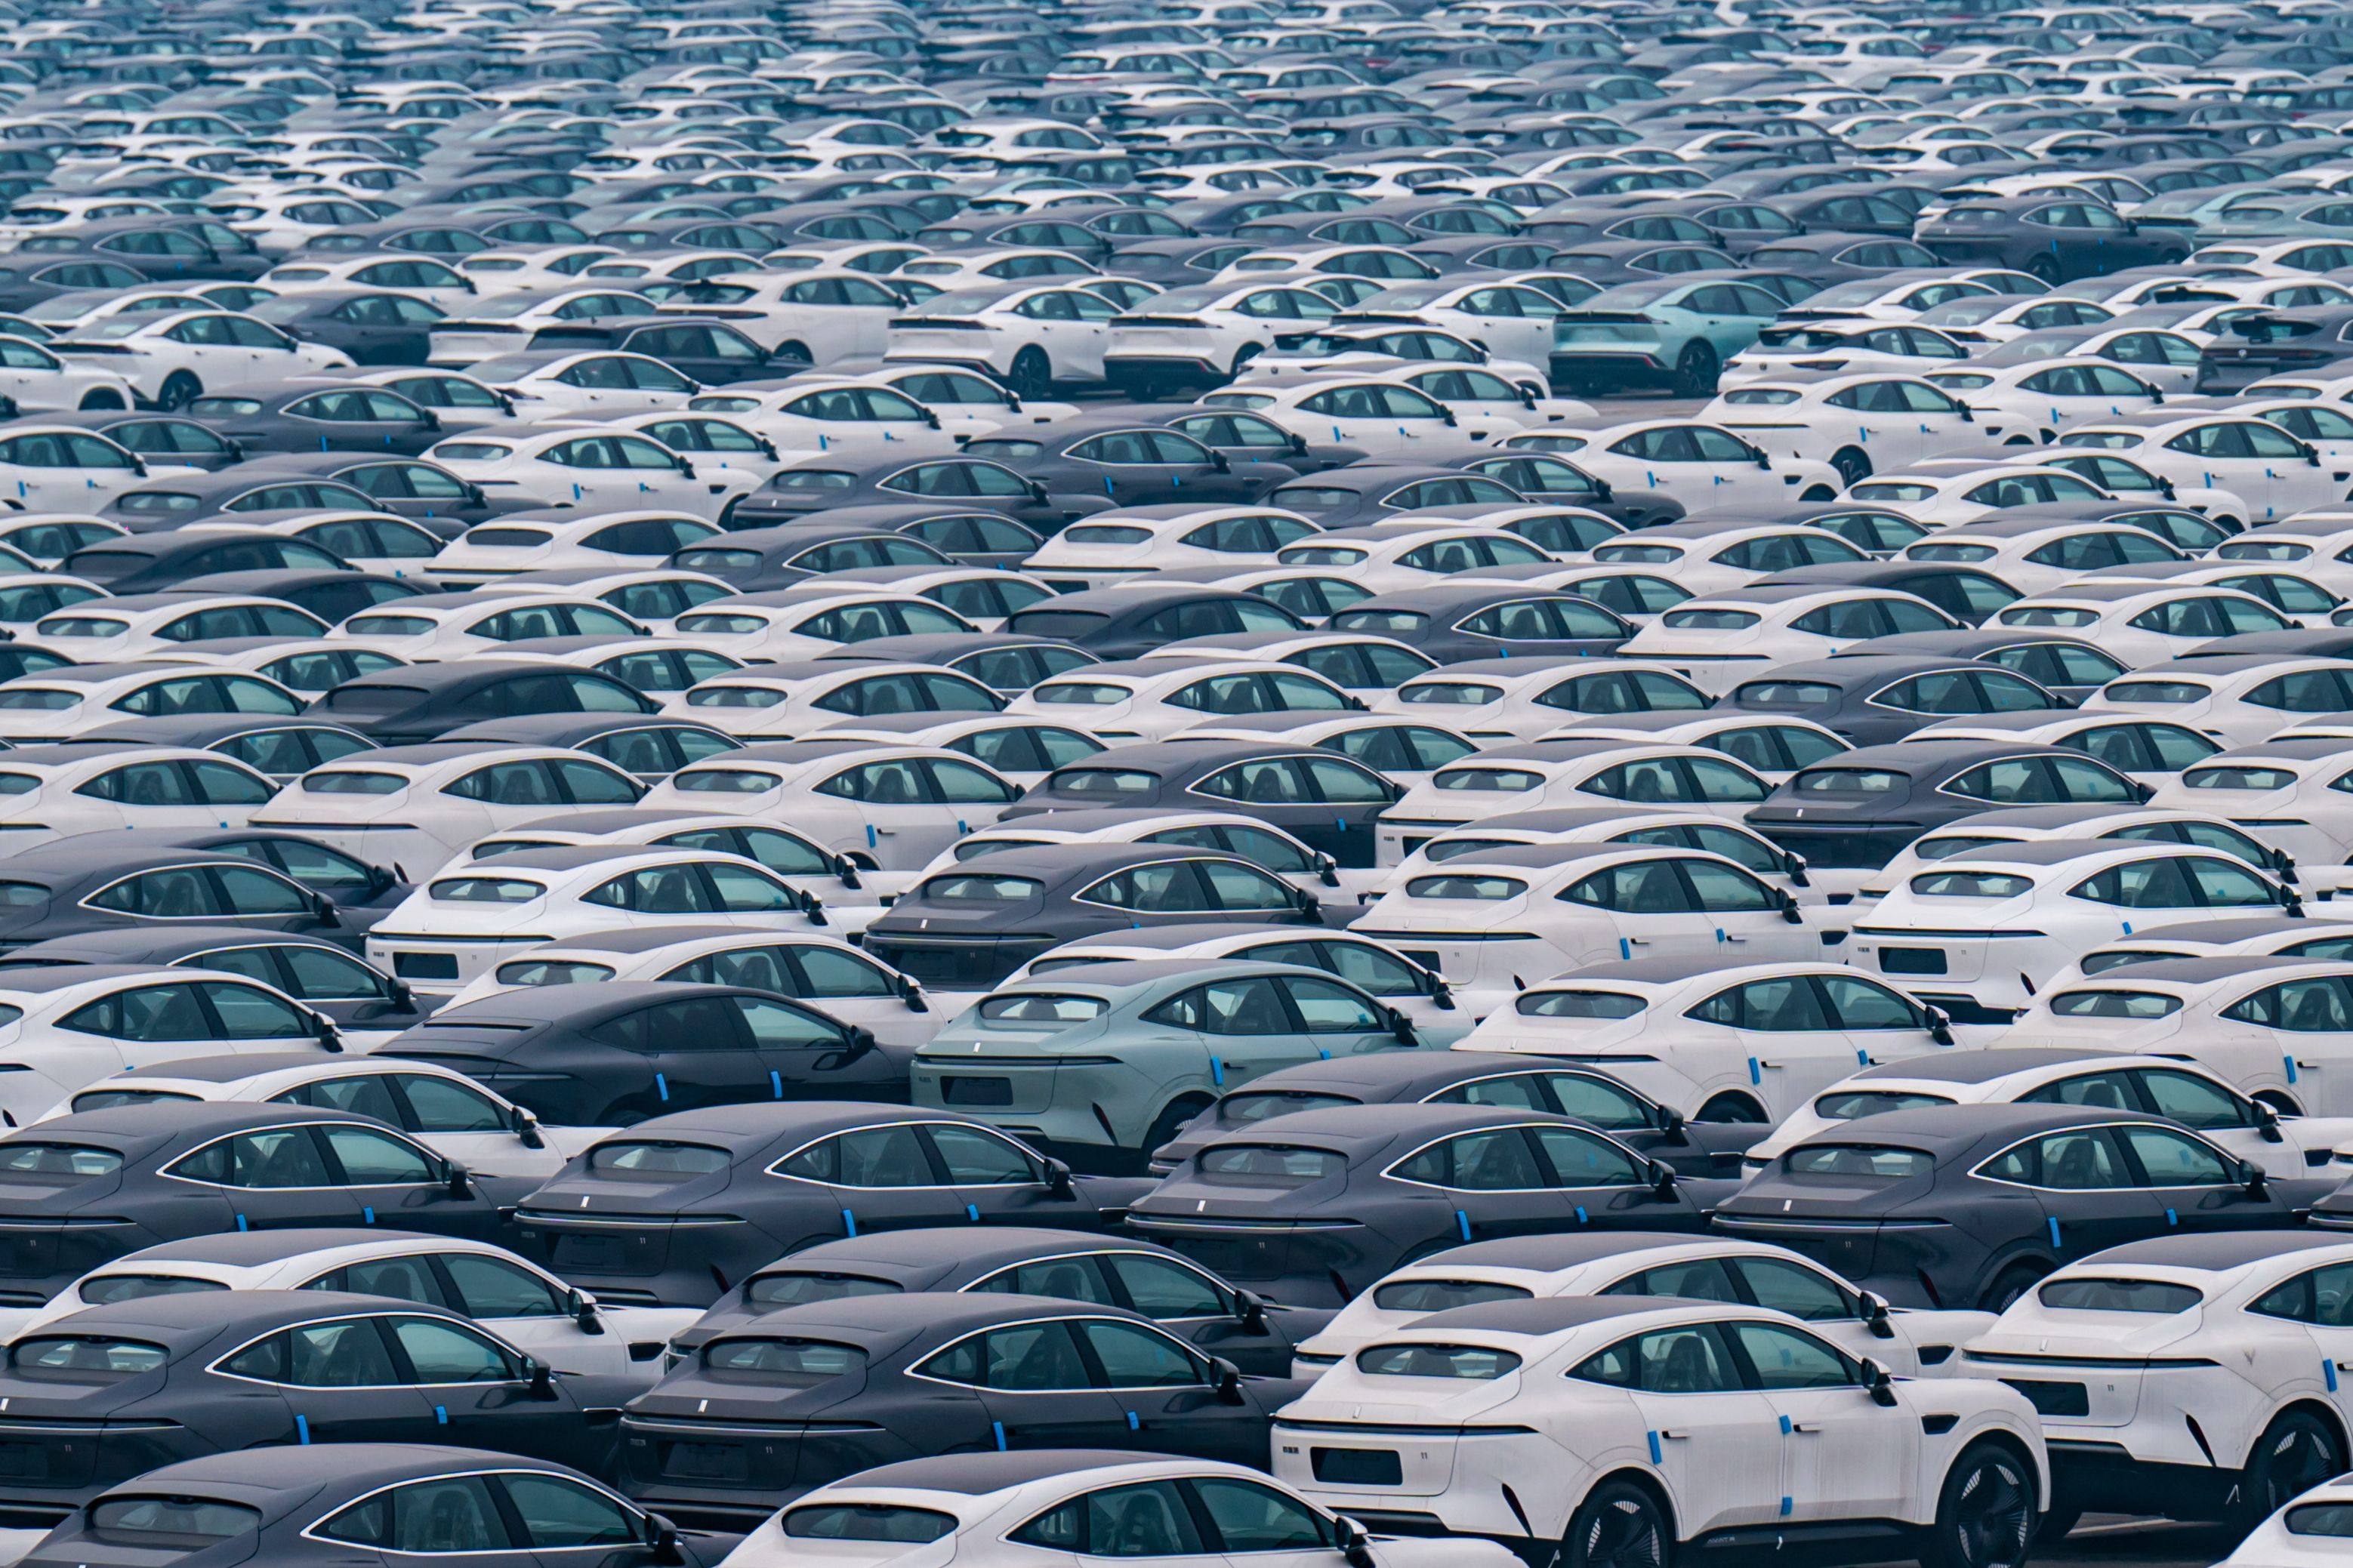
(324, 908)
(1250, 1311)
(930, 420)
(1442, 995)
(1940, 1026)
(686, 467)
(1401, 1028)
(847, 869)
(1662, 1178)
(584, 1313)
(1327, 870)
(856, 1041)
(1763, 461)
(139, 468)
(811, 909)
(1874, 1317)
(1789, 909)
(661, 1539)
(1793, 866)
(1881, 1387)
(1966, 417)
(400, 996)
(525, 1126)
(1218, 461)
(461, 1185)
(329, 1039)
(1227, 1379)
(2267, 1125)
(2252, 1177)
(1310, 910)
(1299, 445)
(1057, 1180)
(1356, 1546)
(1448, 414)
(910, 992)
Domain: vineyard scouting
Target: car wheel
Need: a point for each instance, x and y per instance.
(2010, 1284)
(797, 350)
(1696, 371)
(93, 401)
(1619, 1525)
(1032, 375)
(1817, 492)
(1733, 1108)
(1242, 356)
(2296, 1452)
(180, 389)
(1171, 1121)
(2045, 266)
(1984, 1514)
(726, 518)
(1853, 466)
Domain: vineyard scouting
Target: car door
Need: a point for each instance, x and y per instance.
(907, 824)
(481, 1395)
(1484, 1184)
(1752, 921)
(1036, 1384)
(1639, 908)
(2090, 1198)
(1717, 1443)
(457, 1515)
(995, 1181)
(338, 1380)
(809, 1056)
(1247, 1025)
(697, 1049)
(2197, 1185)
(390, 1180)
(1166, 1397)
(573, 1524)
(1843, 1454)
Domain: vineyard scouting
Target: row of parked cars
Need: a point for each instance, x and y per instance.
(888, 783)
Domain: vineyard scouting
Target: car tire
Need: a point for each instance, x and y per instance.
(179, 390)
(1032, 375)
(2010, 1284)
(1618, 1525)
(1817, 493)
(2296, 1452)
(1985, 1512)
(1170, 1121)
(1733, 1107)
(1852, 464)
(2045, 266)
(100, 401)
(1697, 370)
(1242, 356)
(2054, 1525)
(796, 348)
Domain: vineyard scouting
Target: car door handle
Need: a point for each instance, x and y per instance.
(1809, 1427)
(1673, 1437)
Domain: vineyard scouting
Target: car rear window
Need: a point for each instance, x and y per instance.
(2331, 1519)
(1039, 1007)
(1970, 885)
(1267, 1165)
(2159, 1297)
(655, 1161)
(1848, 781)
(1868, 1161)
(790, 1288)
(45, 1164)
(782, 1363)
(1578, 1005)
(2114, 1005)
(82, 1357)
(106, 1290)
(867, 1522)
(1438, 1295)
(1474, 1363)
(1847, 1105)
(172, 1520)
(972, 889)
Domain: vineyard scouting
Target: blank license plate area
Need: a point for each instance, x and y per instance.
(1356, 1467)
(2053, 1398)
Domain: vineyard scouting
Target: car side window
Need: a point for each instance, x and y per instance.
(493, 1288)
(458, 1513)
(974, 1157)
(1796, 1290)
(1132, 1356)
(1696, 1280)
(1581, 1159)
(1021, 1357)
(2170, 1159)
(1785, 1358)
(1151, 1519)
(1251, 1516)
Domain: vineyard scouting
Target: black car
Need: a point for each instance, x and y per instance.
(1509, 1081)
(1131, 622)
(1876, 701)
(93, 882)
(1212, 1316)
(157, 437)
(972, 926)
(1328, 802)
(1455, 624)
(153, 1174)
(703, 349)
(418, 703)
(1128, 463)
(2265, 343)
(358, 890)
(1007, 663)
(785, 554)
(603, 1053)
(676, 1210)
(326, 1504)
(1857, 810)
(1374, 493)
(167, 1378)
(280, 747)
(764, 1412)
(153, 563)
(2057, 235)
(373, 326)
(316, 418)
(1314, 1205)
(1965, 592)
(2067, 668)
(1968, 1205)
(322, 975)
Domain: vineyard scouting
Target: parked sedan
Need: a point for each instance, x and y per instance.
(1455, 624)
(1314, 1205)
(756, 1418)
(1218, 1319)
(270, 1368)
(678, 1208)
(1968, 1205)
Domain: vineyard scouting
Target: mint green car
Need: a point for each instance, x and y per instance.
(1672, 334)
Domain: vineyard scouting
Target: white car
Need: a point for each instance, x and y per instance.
(2237, 699)
(1797, 348)
(2037, 555)
(802, 697)
(1156, 699)
(65, 1026)
(1635, 1419)
(419, 276)
(1205, 333)
(1109, 547)
(447, 1112)
(1723, 557)
(1519, 698)
(1377, 413)
(169, 360)
(428, 629)
(527, 1307)
(886, 808)
(1499, 920)
(2074, 1071)
(1950, 492)
(504, 323)
(1863, 421)
(2285, 792)
(812, 619)
(2277, 474)
(1033, 336)
(2074, 823)
(1717, 641)
(2142, 622)
(37, 378)
(1412, 550)
(418, 806)
(823, 971)
(555, 542)
(1010, 1509)
(150, 626)
(56, 791)
(805, 416)
(453, 929)
(2031, 402)
(822, 317)
(1721, 1035)
(2044, 904)
(1579, 772)
(1909, 1342)
(58, 467)
(555, 385)
(2209, 1359)
(2303, 1534)
(590, 467)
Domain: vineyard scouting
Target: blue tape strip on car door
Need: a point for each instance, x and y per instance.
(849, 1223)
(2328, 1371)
(998, 1427)
(1463, 1221)
(302, 1428)
(440, 1416)
(1656, 1456)
(662, 1086)
(2055, 1230)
